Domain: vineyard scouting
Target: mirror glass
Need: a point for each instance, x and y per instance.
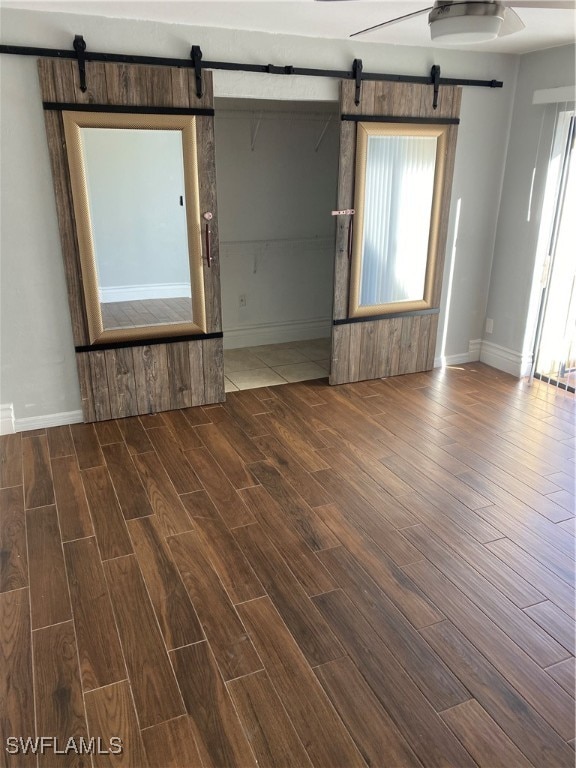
(135, 191)
(399, 182)
(135, 184)
(397, 195)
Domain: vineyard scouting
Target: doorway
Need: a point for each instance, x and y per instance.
(277, 172)
(555, 343)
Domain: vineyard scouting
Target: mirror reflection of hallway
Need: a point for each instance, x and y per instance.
(277, 167)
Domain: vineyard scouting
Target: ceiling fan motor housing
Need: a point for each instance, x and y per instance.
(466, 22)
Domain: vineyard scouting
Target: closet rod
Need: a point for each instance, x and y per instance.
(198, 63)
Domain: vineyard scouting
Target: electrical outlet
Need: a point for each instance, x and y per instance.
(242, 299)
(489, 325)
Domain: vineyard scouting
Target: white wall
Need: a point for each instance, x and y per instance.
(276, 186)
(38, 369)
(532, 130)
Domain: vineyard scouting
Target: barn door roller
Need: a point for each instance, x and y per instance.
(80, 48)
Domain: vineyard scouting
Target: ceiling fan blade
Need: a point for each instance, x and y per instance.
(567, 5)
(511, 23)
(391, 21)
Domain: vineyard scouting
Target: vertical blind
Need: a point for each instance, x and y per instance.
(398, 195)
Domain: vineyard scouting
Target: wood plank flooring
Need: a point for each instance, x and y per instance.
(377, 574)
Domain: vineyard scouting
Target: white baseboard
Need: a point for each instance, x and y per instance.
(7, 426)
(276, 333)
(48, 420)
(471, 356)
(474, 349)
(507, 360)
(141, 292)
(502, 358)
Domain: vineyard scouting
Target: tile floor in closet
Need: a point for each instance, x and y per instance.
(271, 364)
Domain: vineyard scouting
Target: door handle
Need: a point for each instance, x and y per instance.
(208, 218)
(350, 236)
(348, 212)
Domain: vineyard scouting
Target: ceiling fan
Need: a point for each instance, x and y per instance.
(460, 22)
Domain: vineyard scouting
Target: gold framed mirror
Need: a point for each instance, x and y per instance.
(135, 193)
(400, 170)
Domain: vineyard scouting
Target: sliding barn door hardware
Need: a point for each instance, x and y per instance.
(350, 238)
(80, 48)
(357, 72)
(197, 63)
(272, 69)
(435, 77)
(196, 55)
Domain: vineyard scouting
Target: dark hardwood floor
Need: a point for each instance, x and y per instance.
(377, 574)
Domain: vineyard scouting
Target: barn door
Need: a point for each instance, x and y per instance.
(147, 327)
(396, 163)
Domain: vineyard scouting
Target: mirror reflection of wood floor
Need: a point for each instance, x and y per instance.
(373, 574)
(132, 314)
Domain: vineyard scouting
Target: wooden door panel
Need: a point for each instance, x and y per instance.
(381, 348)
(403, 342)
(149, 375)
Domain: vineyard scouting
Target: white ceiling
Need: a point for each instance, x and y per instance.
(545, 27)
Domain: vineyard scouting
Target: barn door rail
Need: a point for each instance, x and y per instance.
(80, 52)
